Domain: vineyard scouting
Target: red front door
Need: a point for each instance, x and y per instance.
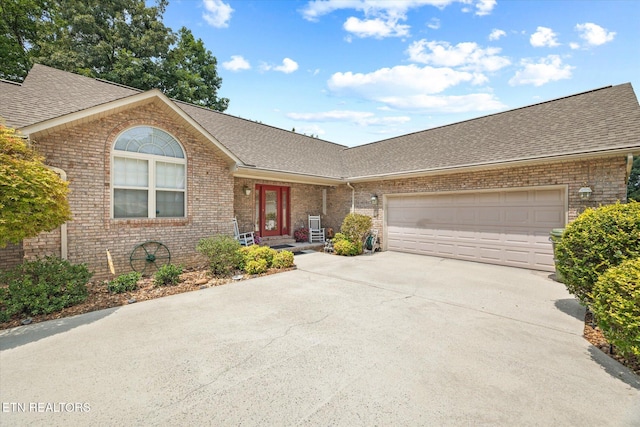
(274, 210)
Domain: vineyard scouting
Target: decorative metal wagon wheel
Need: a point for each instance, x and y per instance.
(148, 257)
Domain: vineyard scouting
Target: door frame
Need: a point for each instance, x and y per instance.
(283, 211)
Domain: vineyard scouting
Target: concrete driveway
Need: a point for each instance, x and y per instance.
(389, 339)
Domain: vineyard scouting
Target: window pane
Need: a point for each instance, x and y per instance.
(169, 175)
(148, 140)
(130, 203)
(130, 172)
(169, 204)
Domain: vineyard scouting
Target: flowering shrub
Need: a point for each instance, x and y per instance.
(301, 234)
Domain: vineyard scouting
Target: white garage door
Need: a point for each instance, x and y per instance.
(498, 227)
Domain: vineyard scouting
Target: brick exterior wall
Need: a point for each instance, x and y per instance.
(214, 196)
(305, 200)
(605, 176)
(84, 152)
(11, 255)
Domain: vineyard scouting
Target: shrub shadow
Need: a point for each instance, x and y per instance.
(572, 307)
(21, 335)
(614, 368)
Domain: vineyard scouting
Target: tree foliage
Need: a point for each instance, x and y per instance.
(633, 186)
(123, 41)
(33, 198)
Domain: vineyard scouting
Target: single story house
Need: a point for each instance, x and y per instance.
(143, 167)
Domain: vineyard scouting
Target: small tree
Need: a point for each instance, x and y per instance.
(33, 198)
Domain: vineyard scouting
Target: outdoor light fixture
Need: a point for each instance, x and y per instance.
(585, 192)
(246, 190)
(374, 199)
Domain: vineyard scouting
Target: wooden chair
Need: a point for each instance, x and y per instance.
(245, 239)
(316, 232)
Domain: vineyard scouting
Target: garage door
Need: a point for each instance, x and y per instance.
(498, 227)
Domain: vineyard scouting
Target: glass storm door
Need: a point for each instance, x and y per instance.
(274, 210)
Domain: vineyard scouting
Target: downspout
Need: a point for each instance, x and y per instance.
(63, 227)
(629, 166)
(353, 197)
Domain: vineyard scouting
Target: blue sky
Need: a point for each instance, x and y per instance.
(359, 71)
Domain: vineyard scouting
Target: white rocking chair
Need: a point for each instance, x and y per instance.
(245, 239)
(316, 232)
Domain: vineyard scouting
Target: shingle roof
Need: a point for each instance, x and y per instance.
(599, 120)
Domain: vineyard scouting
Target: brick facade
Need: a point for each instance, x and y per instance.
(606, 177)
(84, 152)
(214, 197)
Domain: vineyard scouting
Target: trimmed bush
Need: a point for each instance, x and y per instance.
(596, 241)
(223, 253)
(347, 247)
(167, 275)
(256, 266)
(616, 306)
(42, 286)
(356, 227)
(255, 253)
(283, 259)
(124, 283)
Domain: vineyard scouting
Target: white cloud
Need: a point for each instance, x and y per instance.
(434, 24)
(484, 7)
(594, 34)
(377, 27)
(543, 37)
(288, 66)
(544, 71)
(237, 63)
(401, 80)
(361, 118)
(467, 55)
(574, 46)
(446, 104)
(496, 34)
(317, 8)
(218, 13)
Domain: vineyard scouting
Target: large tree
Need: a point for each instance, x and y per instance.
(123, 41)
(33, 198)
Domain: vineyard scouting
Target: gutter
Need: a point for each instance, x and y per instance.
(629, 166)
(353, 197)
(63, 227)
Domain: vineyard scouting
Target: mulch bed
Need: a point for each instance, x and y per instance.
(594, 335)
(100, 298)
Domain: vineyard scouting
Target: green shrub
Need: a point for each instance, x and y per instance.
(223, 253)
(356, 227)
(124, 283)
(347, 248)
(255, 253)
(256, 266)
(283, 259)
(42, 286)
(167, 275)
(616, 306)
(596, 241)
(339, 236)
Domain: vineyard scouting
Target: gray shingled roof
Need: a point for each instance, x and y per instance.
(599, 120)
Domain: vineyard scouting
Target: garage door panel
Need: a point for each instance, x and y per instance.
(502, 227)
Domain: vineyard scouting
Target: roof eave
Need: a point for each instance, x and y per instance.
(634, 150)
(241, 171)
(91, 113)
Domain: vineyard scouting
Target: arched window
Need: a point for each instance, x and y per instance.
(148, 175)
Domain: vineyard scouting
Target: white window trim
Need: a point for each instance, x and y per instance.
(152, 159)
